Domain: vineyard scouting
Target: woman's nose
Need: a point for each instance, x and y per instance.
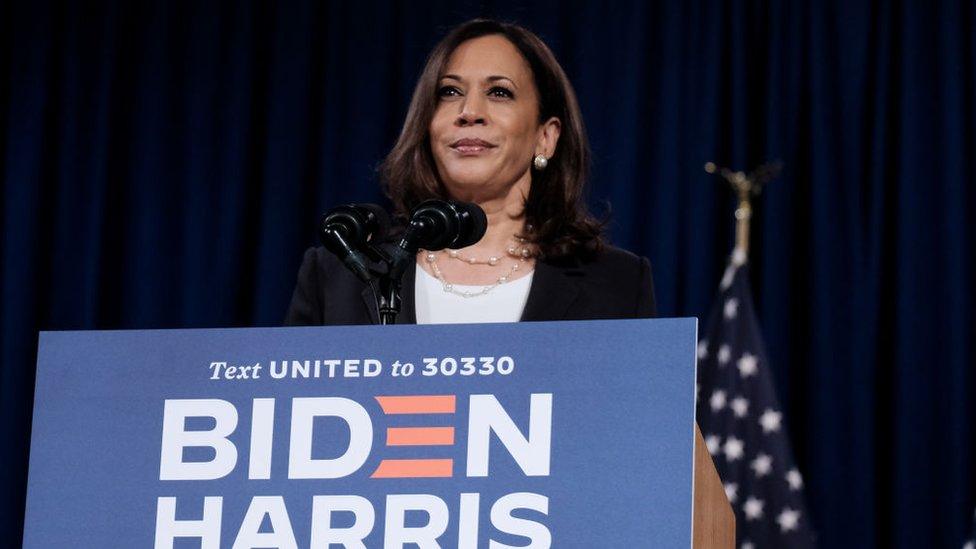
(472, 112)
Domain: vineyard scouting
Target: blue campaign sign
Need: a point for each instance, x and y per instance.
(572, 434)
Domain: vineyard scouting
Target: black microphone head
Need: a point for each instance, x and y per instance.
(437, 224)
(441, 222)
(346, 221)
(346, 231)
(473, 224)
(358, 223)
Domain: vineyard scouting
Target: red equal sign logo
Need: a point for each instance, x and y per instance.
(417, 436)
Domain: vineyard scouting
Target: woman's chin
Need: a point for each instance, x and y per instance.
(469, 182)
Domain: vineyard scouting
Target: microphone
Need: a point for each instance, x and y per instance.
(345, 230)
(438, 224)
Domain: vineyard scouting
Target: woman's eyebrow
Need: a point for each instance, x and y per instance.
(496, 78)
(492, 78)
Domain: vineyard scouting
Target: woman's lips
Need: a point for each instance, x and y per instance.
(469, 147)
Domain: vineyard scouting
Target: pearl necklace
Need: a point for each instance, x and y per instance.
(520, 252)
(520, 257)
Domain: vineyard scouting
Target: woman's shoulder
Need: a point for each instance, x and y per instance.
(612, 255)
(325, 292)
(618, 283)
(609, 260)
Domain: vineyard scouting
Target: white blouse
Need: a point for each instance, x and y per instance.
(503, 303)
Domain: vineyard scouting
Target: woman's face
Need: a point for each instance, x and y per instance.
(485, 129)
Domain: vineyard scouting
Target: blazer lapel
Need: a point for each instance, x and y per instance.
(408, 312)
(370, 302)
(552, 293)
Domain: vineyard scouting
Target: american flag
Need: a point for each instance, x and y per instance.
(743, 425)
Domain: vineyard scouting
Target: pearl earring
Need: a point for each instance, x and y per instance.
(540, 162)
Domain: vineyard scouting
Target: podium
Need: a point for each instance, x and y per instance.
(539, 434)
(712, 517)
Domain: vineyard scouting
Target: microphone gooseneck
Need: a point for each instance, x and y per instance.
(346, 230)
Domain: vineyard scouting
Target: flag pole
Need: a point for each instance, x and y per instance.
(745, 186)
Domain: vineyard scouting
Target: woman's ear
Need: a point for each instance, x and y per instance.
(548, 137)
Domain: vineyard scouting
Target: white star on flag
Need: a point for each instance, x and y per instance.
(788, 520)
(747, 545)
(731, 491)
(717, 402)
(713, 443)
(770, 420)
(748, 365)
(702, 349)
(733, 448)
(753, 508)
(739, 257)
(731, 308)
(762, 465)
(740, 406)
(727, 277)
(724, 354)
(795, 479)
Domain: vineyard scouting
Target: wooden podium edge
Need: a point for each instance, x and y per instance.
(712, 519)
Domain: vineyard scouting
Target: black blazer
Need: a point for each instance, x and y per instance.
(615, 284)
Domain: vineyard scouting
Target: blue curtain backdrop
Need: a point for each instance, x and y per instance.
(163, 164)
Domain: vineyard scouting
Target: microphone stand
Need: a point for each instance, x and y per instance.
(434, 224)
(390, 283)
(389, 302)
(387, 296)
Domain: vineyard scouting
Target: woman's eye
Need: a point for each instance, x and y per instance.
(499, 91)
(448, 91)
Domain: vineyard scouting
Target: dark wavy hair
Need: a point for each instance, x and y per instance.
(557, 220)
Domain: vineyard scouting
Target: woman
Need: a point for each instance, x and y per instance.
(494, 121)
